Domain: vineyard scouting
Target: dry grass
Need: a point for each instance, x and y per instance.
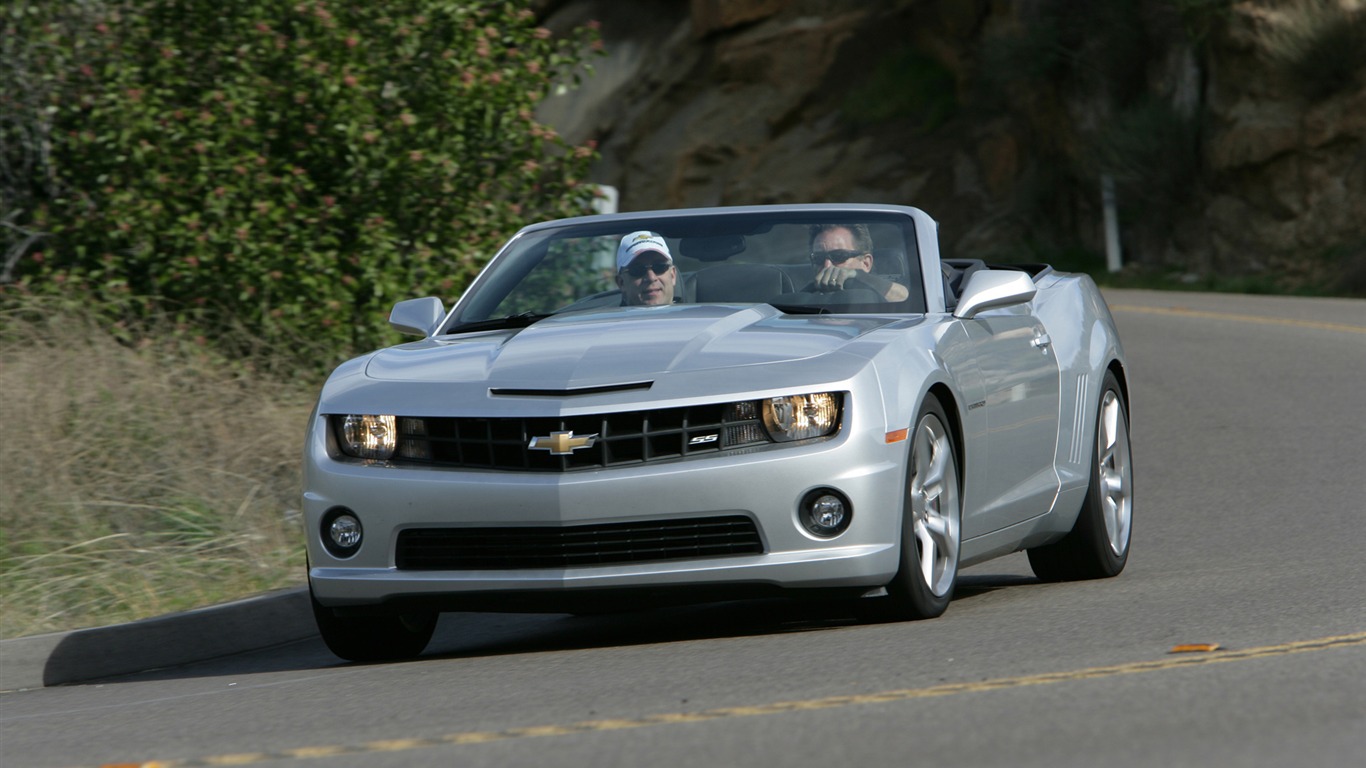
(138, 480)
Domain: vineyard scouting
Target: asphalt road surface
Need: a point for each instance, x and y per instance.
(1249, 417)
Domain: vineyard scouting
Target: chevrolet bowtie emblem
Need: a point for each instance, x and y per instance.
(562, 443)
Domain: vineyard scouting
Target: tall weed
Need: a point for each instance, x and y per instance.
(139, 477)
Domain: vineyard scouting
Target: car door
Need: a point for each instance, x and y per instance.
(1020, 382)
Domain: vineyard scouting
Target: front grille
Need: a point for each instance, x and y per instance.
(631, 437)
(461, 549)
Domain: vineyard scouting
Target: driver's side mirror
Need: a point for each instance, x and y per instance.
(417, 316)
(994, 288)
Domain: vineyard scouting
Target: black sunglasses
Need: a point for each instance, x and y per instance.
(835, 257)
(657, 267)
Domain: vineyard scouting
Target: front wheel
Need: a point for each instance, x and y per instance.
(374, 638)
(931, 525)
(1098, 544)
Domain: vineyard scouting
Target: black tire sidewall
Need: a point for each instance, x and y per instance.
(373, 638)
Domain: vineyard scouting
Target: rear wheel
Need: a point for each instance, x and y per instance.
(931, 523)
(1098, 544)
(374, 638)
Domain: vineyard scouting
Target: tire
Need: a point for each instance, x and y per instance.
(931, 521)
(374, 638)
(1097, 547)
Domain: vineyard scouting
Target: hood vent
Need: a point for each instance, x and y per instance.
(514, 392)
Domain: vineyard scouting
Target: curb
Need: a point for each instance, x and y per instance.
(200, 634)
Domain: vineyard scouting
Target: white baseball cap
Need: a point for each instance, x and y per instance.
(640, 242)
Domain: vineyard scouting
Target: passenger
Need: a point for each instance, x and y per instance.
(645, 270)
(839, 253)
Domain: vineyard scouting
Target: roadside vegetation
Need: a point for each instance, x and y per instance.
(139, 478)
(204, 206)
(290, 167)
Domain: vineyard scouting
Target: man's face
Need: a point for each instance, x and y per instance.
(832, 245)
(648, 280)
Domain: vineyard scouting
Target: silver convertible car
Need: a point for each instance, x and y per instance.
(632, 410)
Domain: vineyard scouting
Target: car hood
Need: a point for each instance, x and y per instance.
(621, 346)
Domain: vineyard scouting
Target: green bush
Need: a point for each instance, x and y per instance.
(290, 168)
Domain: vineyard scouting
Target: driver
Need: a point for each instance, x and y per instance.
(843, 252)
(646, 273)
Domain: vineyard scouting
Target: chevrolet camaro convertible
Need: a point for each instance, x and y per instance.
(633, 410)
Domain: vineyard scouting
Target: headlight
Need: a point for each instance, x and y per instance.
(798, 417)
(367, 436)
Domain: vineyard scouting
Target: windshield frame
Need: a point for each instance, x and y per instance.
(529, 247)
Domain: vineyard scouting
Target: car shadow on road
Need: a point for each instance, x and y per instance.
(476, 635)
(461, 636)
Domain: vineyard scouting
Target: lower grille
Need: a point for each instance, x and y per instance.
(460, 549)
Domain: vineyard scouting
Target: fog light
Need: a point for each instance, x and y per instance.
(342, 532)
(345, 531)
(826, 512)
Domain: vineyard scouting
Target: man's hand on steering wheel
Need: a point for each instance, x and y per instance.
(833, 278)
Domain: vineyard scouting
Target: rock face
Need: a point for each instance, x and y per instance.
(1286, 170)
(963, 107)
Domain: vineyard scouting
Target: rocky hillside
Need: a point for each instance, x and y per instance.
(1230, 154)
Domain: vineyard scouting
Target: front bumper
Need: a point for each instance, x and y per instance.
(764, 486)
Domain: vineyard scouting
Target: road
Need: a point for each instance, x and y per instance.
(1248, 432)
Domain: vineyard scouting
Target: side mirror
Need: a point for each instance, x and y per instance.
(417, 316)
(993, 288)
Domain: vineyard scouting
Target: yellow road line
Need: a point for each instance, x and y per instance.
(726, 713)
(1262, 319)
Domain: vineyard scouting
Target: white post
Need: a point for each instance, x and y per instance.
(606, 199)
(1114, 259)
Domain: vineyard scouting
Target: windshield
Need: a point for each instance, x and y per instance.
(799, 262)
